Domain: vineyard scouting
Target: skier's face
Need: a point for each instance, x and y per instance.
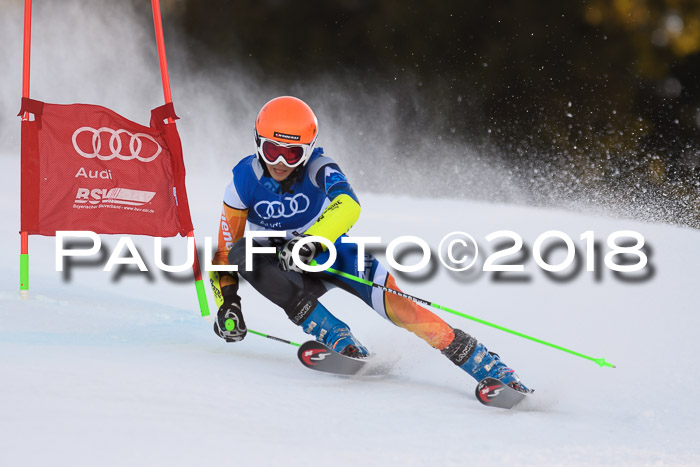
(279, 171)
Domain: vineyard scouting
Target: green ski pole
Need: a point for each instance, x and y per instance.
(231, 325)
(278, 339)
(600, 361)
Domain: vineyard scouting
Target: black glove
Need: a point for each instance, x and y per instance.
(229, 324)
(307, 253)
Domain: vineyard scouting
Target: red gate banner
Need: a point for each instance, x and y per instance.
(84, 167)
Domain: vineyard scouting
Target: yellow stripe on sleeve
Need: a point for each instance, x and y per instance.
(336, 219)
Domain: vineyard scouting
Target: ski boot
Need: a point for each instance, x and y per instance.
(333, 333)
(474, 358)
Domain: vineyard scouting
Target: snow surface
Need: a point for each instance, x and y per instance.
(98, 371)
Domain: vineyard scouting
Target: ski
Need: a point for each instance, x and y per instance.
(316, 356)
(494, 393)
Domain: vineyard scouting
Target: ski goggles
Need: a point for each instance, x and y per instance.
(292, 154)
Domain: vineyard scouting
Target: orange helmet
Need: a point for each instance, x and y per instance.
(286, 129)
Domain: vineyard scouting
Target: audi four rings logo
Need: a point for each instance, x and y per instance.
(136, 147)
(286, 208)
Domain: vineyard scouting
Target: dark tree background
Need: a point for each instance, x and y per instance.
(606, 90)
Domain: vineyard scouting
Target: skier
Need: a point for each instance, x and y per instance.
(289, 185)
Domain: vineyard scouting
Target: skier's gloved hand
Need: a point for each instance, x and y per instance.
(307, 253)
(229, 324)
